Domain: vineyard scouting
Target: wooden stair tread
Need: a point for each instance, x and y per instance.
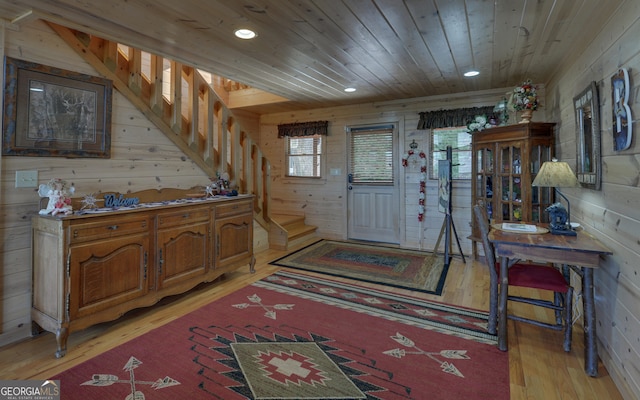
(286, 219)
(300, 231)
(289, 229)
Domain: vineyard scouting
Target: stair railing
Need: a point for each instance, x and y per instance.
(182, 103)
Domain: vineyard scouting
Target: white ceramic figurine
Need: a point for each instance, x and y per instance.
(59, 197)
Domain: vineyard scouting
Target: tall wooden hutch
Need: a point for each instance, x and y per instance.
(505, 162)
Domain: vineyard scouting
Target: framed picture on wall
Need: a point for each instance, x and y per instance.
(587, 112)
(54, 112)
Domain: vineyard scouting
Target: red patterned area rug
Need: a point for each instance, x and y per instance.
(416, 270)
(292, 336)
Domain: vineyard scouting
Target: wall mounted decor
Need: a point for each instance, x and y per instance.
(622, 121)
(588, 141)
(54, 112)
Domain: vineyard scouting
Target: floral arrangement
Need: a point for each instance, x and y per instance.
(423, 179)
(478, 124)
(525, 97)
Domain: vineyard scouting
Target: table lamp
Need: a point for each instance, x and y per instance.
(557, 174)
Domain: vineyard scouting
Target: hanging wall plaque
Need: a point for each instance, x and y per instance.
(622, 121)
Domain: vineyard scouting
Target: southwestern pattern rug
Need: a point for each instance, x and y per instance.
(292, 336)
(404, 268)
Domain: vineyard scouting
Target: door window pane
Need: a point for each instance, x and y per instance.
(371, 158)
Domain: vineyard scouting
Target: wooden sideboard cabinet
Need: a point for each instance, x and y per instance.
(94, 267)
(505, 160)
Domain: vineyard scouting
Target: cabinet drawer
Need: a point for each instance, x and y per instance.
(182, 217)
(234, 208)
(108, 228)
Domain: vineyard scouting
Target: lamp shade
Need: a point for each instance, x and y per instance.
(555, 174)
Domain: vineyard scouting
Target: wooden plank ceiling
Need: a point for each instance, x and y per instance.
(309, 51)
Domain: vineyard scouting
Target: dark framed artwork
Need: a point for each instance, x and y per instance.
(588, 151)
(52, 112)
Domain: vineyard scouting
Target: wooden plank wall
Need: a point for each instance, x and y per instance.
(613, 213)
(142, 158)
(324, 201)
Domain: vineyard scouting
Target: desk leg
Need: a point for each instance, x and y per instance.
(503, 341)
(588, 303)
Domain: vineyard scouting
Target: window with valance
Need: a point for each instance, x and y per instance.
(303, 151)
(451, 118)
(449, 128)
(303, 129)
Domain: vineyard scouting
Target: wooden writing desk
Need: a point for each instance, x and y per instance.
(581, 253)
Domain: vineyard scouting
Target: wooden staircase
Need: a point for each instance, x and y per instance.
(190, 113)
(288, 230)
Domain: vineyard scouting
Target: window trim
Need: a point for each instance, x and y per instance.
(317, 139)
(433, 164)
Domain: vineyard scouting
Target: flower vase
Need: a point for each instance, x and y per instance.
(526, 116)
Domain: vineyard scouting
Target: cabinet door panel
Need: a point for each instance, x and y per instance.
(107, 273)
(234, 239)
(182, 253)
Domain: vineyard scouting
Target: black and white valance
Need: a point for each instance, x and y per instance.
(303, 129)
(452, 118)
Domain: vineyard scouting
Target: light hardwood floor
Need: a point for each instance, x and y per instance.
(539, 368)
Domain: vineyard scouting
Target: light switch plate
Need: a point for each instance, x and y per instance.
(26, 179)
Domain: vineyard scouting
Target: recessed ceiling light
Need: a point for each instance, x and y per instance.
(471, 73)
(245, 34)
(350, 89)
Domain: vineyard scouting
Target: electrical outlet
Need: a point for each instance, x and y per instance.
(26, 179)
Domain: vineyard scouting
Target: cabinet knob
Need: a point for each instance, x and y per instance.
(113, 227)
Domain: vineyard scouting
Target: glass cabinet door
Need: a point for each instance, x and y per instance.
(511, 189)
(541, 197)
(484, 178)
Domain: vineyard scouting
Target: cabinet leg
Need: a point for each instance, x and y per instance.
(61, 338)
(252, 264)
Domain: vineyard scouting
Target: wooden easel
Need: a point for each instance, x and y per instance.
(444, 174)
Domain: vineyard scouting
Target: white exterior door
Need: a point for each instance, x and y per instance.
(373, 198)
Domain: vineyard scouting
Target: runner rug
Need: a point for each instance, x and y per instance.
(409, 269)
(292, 336)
